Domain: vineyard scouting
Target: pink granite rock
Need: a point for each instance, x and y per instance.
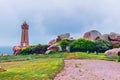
(65, 36)
(92, 35)
(112, 52)
(52, 42)
(105, 36)
(16, 50)
(53, 47)
(114, 36)
(115, 42)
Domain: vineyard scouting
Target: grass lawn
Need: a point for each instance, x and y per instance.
(37, 69)
(41, 67)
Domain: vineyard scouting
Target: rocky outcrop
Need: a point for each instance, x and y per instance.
(64, 36)
(59, 38)
(112, 52)
(105, 36)
(52, 43)
(114, 38)
(115, 42)
(92, 35)
(16, 50)
(53, 47)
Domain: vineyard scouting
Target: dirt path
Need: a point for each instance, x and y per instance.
(89, 70)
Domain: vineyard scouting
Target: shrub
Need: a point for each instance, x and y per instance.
(83, 45)
(64, 43)
(26, 51)
(118, 58)
(37, 49)
(102, 45)
(116, 46)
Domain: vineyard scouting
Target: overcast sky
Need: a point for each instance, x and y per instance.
(49, 18)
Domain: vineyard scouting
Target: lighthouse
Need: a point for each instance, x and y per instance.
(24, 35)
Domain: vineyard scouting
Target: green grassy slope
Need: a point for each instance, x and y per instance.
(41, 67)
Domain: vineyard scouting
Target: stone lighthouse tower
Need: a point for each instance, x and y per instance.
(24, 36)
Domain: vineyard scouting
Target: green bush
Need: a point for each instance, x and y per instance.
(37, 49)
(116, 46)
(82, 45)
(118, 58)
(27, 50)
(102, 45)
(64, 43)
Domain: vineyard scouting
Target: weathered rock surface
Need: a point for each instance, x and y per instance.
(53, 46)
(64, 36)
(59, 38)
(112, 52)
(92, 35)
(52, 42)
(115, 42)
(114, 38)
(105, 36)
(16, 50)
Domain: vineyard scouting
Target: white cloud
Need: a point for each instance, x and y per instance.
(48, 18)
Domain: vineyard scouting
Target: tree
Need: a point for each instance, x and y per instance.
(64, 43)
(82, 45)
(102, 45)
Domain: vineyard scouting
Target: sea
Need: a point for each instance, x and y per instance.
(6, 50)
